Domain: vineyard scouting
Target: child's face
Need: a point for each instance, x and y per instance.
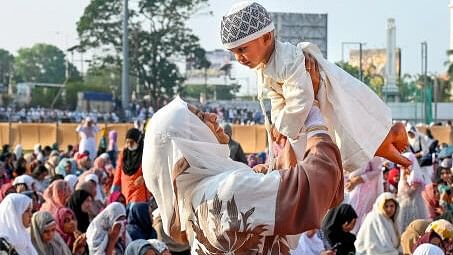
(255, 52)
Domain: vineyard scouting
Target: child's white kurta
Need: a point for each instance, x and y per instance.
(358, 120)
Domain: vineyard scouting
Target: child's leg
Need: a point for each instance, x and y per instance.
(394, 144)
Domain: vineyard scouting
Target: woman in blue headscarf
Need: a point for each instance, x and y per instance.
(139, 222)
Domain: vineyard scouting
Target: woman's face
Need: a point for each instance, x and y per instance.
(445, 175)
(210, 120)
(390, 208)
(349, 226)
(68, 168)
(69, 224)
(436, 193)
(26, 217)
(48, 233)
(87, 205)
(436, 241)
(150, 252)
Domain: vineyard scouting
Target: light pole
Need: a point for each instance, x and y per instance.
(125, 67)
(360, 55)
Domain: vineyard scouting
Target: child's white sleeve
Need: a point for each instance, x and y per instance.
(299, 96)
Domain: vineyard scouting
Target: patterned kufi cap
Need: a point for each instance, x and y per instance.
(245, 22)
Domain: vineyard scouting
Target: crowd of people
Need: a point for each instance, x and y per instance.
(70, 201)
(138, 112)
(92, 199)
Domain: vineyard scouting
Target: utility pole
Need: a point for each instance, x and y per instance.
(125, 67)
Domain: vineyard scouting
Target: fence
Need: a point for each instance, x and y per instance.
(252, 138)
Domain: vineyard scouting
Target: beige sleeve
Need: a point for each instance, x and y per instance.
(298, 98)
(308, 190)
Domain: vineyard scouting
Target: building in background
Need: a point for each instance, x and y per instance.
(301, 27)
(374, 60)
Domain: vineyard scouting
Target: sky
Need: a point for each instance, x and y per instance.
(25, 22)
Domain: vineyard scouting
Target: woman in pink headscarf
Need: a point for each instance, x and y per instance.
(56, 195)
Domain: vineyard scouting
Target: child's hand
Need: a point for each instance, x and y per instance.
(277, 137)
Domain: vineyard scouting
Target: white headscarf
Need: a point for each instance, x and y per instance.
(378, 233)
(25, 179)
(57, 246)
(175, 132)
(415, 175)
(12, 229)
(97, 232)
(95, 178)
(428, 249)
(71, 179)
(19, 151)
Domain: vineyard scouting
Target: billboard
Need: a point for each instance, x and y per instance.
(374, 60)
(301, 27)
(216, 74)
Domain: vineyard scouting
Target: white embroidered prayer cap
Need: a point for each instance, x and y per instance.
(244, 22)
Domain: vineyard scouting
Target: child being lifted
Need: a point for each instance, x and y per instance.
(298, 78)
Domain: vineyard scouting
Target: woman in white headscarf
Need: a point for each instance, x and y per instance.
(410, 199)
(44, 236)
(107, 232)
(87, 132)
(379, 234)
(19, 151)
(15, 218)
(428, 249)
(26, 180)
(205, 198)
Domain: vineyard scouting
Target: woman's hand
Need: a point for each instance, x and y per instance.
(114, 233)
(260, 168)
(79, 244)
(353, 182)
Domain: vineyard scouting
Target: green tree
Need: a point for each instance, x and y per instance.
(352, 70)
(40, 63)
(157, 36)
(6, 66)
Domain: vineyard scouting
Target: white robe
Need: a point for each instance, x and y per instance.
(358, 120)
(378, 234)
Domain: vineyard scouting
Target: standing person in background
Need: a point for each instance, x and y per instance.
(87, 132)
(421, 146)
(102, 147)
(236, 152)
(362, 187)
(112, 148)
(128, 175)
(410, 188)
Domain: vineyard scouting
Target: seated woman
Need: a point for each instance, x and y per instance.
(204, 196)
(81, 203)
(336, 227)
(412, 234)
(15, 218)
(378, 234)
(44, 236)
(67, 228)
(56, 196)
(440, 233)
(140, 247)
(139, 222)
(106, 233)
